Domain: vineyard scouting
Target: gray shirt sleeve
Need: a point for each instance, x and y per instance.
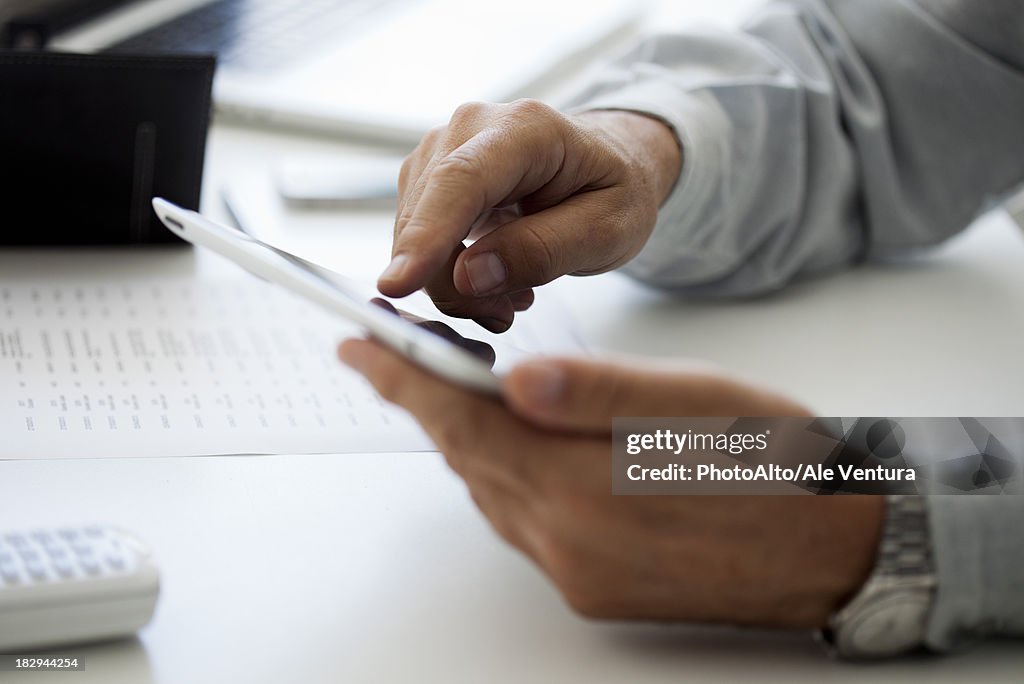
(825, 132)
(978, 549)
(829, 131)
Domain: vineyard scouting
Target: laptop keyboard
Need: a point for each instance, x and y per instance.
(255, 34)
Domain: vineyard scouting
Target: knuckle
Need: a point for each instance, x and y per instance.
(410, 162)
(570, 571)
(454, 460)
(402, 222)
(553, 558)
(540, 127)
(432, 137)
(458, 165)
(539, 250)
(573, 574)
(530, 108)
(489, 504)
(505, 530)
(561, 562)
(467, 111)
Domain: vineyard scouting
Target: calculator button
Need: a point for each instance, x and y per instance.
(9, 571)
(36, 569)
(29, 555)
(17, 541)
(64, 567)
(90, 564)
(42, 537)
(56, 551)
(94, 531)
(69, 535)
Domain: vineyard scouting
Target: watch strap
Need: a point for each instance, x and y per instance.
(889, 614)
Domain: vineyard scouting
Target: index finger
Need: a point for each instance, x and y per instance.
(490, 169)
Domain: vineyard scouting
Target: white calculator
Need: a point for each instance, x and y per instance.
(71, 585)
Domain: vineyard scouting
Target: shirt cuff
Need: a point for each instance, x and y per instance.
(671, 258)
(979, 562)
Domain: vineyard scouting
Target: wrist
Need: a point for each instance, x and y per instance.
(648, 142)
(829, 555)
(889, 614)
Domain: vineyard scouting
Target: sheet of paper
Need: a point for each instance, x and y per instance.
(180, 368)
(188, 367)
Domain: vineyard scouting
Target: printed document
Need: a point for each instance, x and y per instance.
(181, 368)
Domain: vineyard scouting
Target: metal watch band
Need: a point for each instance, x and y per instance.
(889, 614)
(906, 548)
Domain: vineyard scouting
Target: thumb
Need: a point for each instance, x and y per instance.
(584, 395)
(579, 235)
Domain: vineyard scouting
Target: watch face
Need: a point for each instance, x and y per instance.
(895, 624)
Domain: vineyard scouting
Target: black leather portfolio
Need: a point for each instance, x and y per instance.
(86, 141)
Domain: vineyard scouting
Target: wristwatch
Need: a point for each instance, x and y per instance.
(889, 614)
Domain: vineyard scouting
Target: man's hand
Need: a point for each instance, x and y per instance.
(538, 466)
(543, 194)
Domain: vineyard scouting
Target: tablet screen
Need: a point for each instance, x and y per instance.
(499, 353)
(416, 334)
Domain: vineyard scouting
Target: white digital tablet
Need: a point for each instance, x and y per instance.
(431, 351)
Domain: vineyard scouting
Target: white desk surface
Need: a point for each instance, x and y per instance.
(378, 567)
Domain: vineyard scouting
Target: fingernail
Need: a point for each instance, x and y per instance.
(396, 268)
(486, 272)
(545, 382)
